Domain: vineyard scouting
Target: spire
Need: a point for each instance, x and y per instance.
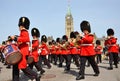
(68, 11)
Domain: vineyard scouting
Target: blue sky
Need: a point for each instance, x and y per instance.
(49, 16)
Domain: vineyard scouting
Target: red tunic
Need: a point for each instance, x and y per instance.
(23, 45)
(111, 44)
(98, 49)
(53, 51)
(44, 49)
(35, 45)
(64, 50)
(58, 50)
(78, 50)
(87, 47)
(73, 49)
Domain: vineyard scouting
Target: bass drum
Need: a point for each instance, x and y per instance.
(12, 54)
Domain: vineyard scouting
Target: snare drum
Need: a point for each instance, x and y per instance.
(12, 54)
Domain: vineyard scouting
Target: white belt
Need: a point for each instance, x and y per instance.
(86, 44)
(112, 45)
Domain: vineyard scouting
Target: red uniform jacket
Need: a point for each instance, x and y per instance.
(87, 47)
(64, 50)
(58, 50)
(23, 45)
(98, 49)
(111, 44)
(35, 45)
(44, 49)
(73, 49)
(79, 49)
(53, 50)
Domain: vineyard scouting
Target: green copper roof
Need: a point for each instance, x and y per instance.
(69, 11)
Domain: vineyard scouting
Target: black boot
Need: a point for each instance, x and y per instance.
(96, 74)
(42, 72)
(38, 78)
(79, 77)
(116, 66)
(60, 65)
(110, 68)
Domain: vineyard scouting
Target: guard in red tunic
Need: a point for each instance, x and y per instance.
(58, 49)
(73, 48)
(44, 51)
(87, 50)
(34, 50)
(23, 44)
(53, 53)
(98, 51)
(65, 53)
(113, 48)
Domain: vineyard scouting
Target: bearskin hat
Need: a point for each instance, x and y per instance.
(58, 40)
(3, 42)
(9, 38)
(110, 31)
(50, 43)
(65, 38)
(76, 33)
(72, 35)
(85, 25)
(24, 21)
(53, 42)
(35, 32)
(44, 38)
(98, 42)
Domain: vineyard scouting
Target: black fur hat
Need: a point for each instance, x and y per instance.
(3, 42)
(58, 40)
(110, 31)
(44, 38)
(72, 35)
(24, 21)
(85, 25)
(9, 38)
(35, 32)
(98, 42)
(65, 38)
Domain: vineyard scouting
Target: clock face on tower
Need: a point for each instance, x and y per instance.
(68, 17)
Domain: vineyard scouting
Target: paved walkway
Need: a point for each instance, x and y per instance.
(57, 74)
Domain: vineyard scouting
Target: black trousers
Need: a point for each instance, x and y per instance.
(67, 59)
(113, 57)
(45, 60)
(54, 58)
(99, 59)
(75, 59)
(27, 71)
(91, 60)
(15, 73)
(37, 65)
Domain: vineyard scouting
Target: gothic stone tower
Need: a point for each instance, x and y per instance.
(68, 23)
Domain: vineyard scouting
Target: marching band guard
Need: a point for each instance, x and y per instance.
(112, 47)
(22, 41)
(65, 53)
(53, 52)
(87, 50)
(73, 49)
(58, 49)
(34, 51)
(44, 51)
(98, 51)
